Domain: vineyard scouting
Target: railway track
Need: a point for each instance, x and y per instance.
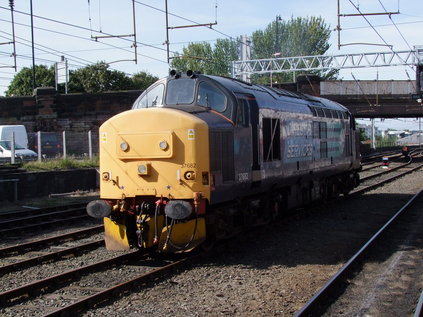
(57, 239)
(396, 233)
(10, 215)
(376, 157)
(138, 269)
(21, 223)
(377, 164)
(375, 180)
(49, 283)
(66, 252)
(29, 256)
(53, 288)
(119, 289)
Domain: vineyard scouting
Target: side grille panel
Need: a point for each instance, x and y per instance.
(222, 154)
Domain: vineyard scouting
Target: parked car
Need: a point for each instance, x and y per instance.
(21, 153)
(21, 136)
(51, 145)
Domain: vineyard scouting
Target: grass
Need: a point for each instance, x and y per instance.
(60, 164)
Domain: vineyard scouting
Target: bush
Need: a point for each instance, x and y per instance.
(60, 164)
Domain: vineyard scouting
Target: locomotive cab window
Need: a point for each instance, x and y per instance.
(180, 91)
(151, 98)
(211, 97)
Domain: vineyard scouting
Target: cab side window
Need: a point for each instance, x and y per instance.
(211, 97)
(151, 98)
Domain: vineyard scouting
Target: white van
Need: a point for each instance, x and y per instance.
(21, 142)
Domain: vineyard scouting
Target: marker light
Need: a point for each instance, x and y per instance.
(124, 146)
(163, 145)
(105, 176)
(143, 169)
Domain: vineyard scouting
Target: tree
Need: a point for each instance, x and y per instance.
(92, 79)
(98, 78)
(143, 80)
(295, 37)
(21, 85)
(206, 59)
(362, 134)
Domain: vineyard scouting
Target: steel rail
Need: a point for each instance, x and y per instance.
(63, 278)
(28, 212)
(379, 162)
(55, 214)
(419, 308)
(37, 244)
(322, 299)
(57, 255)
(114, 291)
(369, 158)
(385, 181)
(385, 172)
(46, 224)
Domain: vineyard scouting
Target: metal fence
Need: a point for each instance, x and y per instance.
(63, 144)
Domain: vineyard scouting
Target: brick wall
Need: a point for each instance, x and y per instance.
(49, 112)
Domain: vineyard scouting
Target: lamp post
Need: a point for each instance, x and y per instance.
(274, 55)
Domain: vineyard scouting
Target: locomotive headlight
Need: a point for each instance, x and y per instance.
(105, 176)
(190, 175)
(143, 169)
(124, 146)
(163, 145)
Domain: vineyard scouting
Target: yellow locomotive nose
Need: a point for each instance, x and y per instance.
(138, 157)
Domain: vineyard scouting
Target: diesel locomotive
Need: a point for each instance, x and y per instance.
(200, 157)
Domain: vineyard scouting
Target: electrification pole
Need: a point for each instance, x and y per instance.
(34, 85)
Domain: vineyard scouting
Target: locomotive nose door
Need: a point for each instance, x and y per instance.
(246, 138)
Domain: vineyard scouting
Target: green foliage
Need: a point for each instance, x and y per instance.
(98, 78)
(92, 79)
(21, 85)
(206, 59)
(362, 135)
(295, 37)
(143, 80)
(59, 164)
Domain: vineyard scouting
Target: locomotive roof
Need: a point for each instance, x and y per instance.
(238, 86)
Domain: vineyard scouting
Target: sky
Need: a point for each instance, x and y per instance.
(69, 28)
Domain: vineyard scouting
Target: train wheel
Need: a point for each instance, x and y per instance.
(275, 209)
(333, 190)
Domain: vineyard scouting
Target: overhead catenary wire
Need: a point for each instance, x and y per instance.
(85, 39)
(380, 25)
(374, 29)
(191, 21)
(370, 24)
(79, 64)
(390, 18)
(137, 43)
(83, 28)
